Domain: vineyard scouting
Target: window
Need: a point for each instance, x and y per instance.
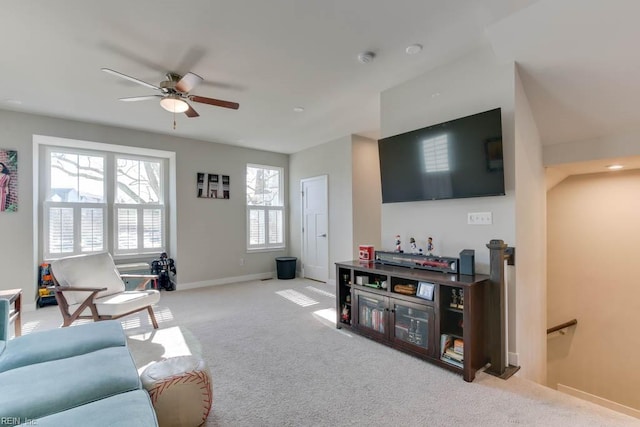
(85, 189)
(75, 205)
(137, 206)
(265, 207)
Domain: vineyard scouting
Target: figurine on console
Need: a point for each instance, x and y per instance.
(414, 247)
(430, 247)
(398, 247)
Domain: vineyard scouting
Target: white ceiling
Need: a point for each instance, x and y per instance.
(577, 58)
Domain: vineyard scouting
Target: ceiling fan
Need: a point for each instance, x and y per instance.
(174, 93)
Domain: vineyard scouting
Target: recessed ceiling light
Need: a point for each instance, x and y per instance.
(615, 167)
(413, 49)
(298, 109)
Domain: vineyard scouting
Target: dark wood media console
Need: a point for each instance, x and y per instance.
(443, 324)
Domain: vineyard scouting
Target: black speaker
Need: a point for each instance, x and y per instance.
(468, 262)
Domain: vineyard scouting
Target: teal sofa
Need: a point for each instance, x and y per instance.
(77, 376)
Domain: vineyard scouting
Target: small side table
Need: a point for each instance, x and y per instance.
(145, 279)
(15, 315)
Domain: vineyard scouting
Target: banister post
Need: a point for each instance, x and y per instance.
(495, 314)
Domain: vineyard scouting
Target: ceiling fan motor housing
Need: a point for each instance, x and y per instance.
(168, 85)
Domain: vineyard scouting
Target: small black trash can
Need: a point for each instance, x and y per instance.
(286, 267)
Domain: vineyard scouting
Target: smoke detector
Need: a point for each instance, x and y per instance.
(366, 57)
(413, 49)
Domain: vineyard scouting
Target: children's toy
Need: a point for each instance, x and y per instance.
(345, 315)
(45, 295)
(398, 247)
(430, 247)
(162, 267)
(424, 262)
(366, 252)
(414, 247)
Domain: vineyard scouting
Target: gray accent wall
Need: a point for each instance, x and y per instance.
(211, 234)
(334, 160)
(353, 170)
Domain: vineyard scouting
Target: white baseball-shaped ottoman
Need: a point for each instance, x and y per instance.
(180, 390)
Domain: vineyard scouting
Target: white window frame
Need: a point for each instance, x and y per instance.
(109, 206)
(267, 246)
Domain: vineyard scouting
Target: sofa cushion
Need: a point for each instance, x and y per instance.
(42, 389)
(88, 271)
(132, 408)
(61, 343)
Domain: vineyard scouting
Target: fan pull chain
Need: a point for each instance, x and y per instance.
(174, 120)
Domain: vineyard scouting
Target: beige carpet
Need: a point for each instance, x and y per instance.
(276, 359)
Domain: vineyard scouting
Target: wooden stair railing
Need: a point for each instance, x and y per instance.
(562, 326)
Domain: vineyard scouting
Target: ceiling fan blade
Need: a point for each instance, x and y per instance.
(216, 102)
(191, 113)
(188, 82)
(140, 98)
(132, 79)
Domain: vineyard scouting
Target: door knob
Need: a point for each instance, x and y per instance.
(323, 235)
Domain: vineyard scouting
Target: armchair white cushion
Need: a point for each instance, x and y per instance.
(89, 286)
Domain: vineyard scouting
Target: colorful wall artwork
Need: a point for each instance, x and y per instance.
(8, 180)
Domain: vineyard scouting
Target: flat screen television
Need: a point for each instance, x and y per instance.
(451, 160)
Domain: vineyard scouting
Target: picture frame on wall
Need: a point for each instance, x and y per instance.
(212, 186)
(8, 180)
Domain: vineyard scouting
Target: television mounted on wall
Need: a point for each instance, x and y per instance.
(456, 159)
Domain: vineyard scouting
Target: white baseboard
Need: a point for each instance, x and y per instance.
(225, 281)
(512, 359)
(599, 400)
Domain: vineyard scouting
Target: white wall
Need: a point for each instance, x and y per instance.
(470, 85)
(593, 231)
(332, 159)
(529, 296)
(211, 233)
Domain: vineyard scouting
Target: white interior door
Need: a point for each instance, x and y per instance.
(315, 236)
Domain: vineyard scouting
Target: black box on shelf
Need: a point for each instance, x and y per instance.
(468, 262)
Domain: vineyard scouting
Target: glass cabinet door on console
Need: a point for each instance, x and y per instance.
(371, 311)
(413, 326)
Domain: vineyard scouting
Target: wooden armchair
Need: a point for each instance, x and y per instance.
(90, 287)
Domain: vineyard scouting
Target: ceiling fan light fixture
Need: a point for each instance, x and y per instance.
(174, 104)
